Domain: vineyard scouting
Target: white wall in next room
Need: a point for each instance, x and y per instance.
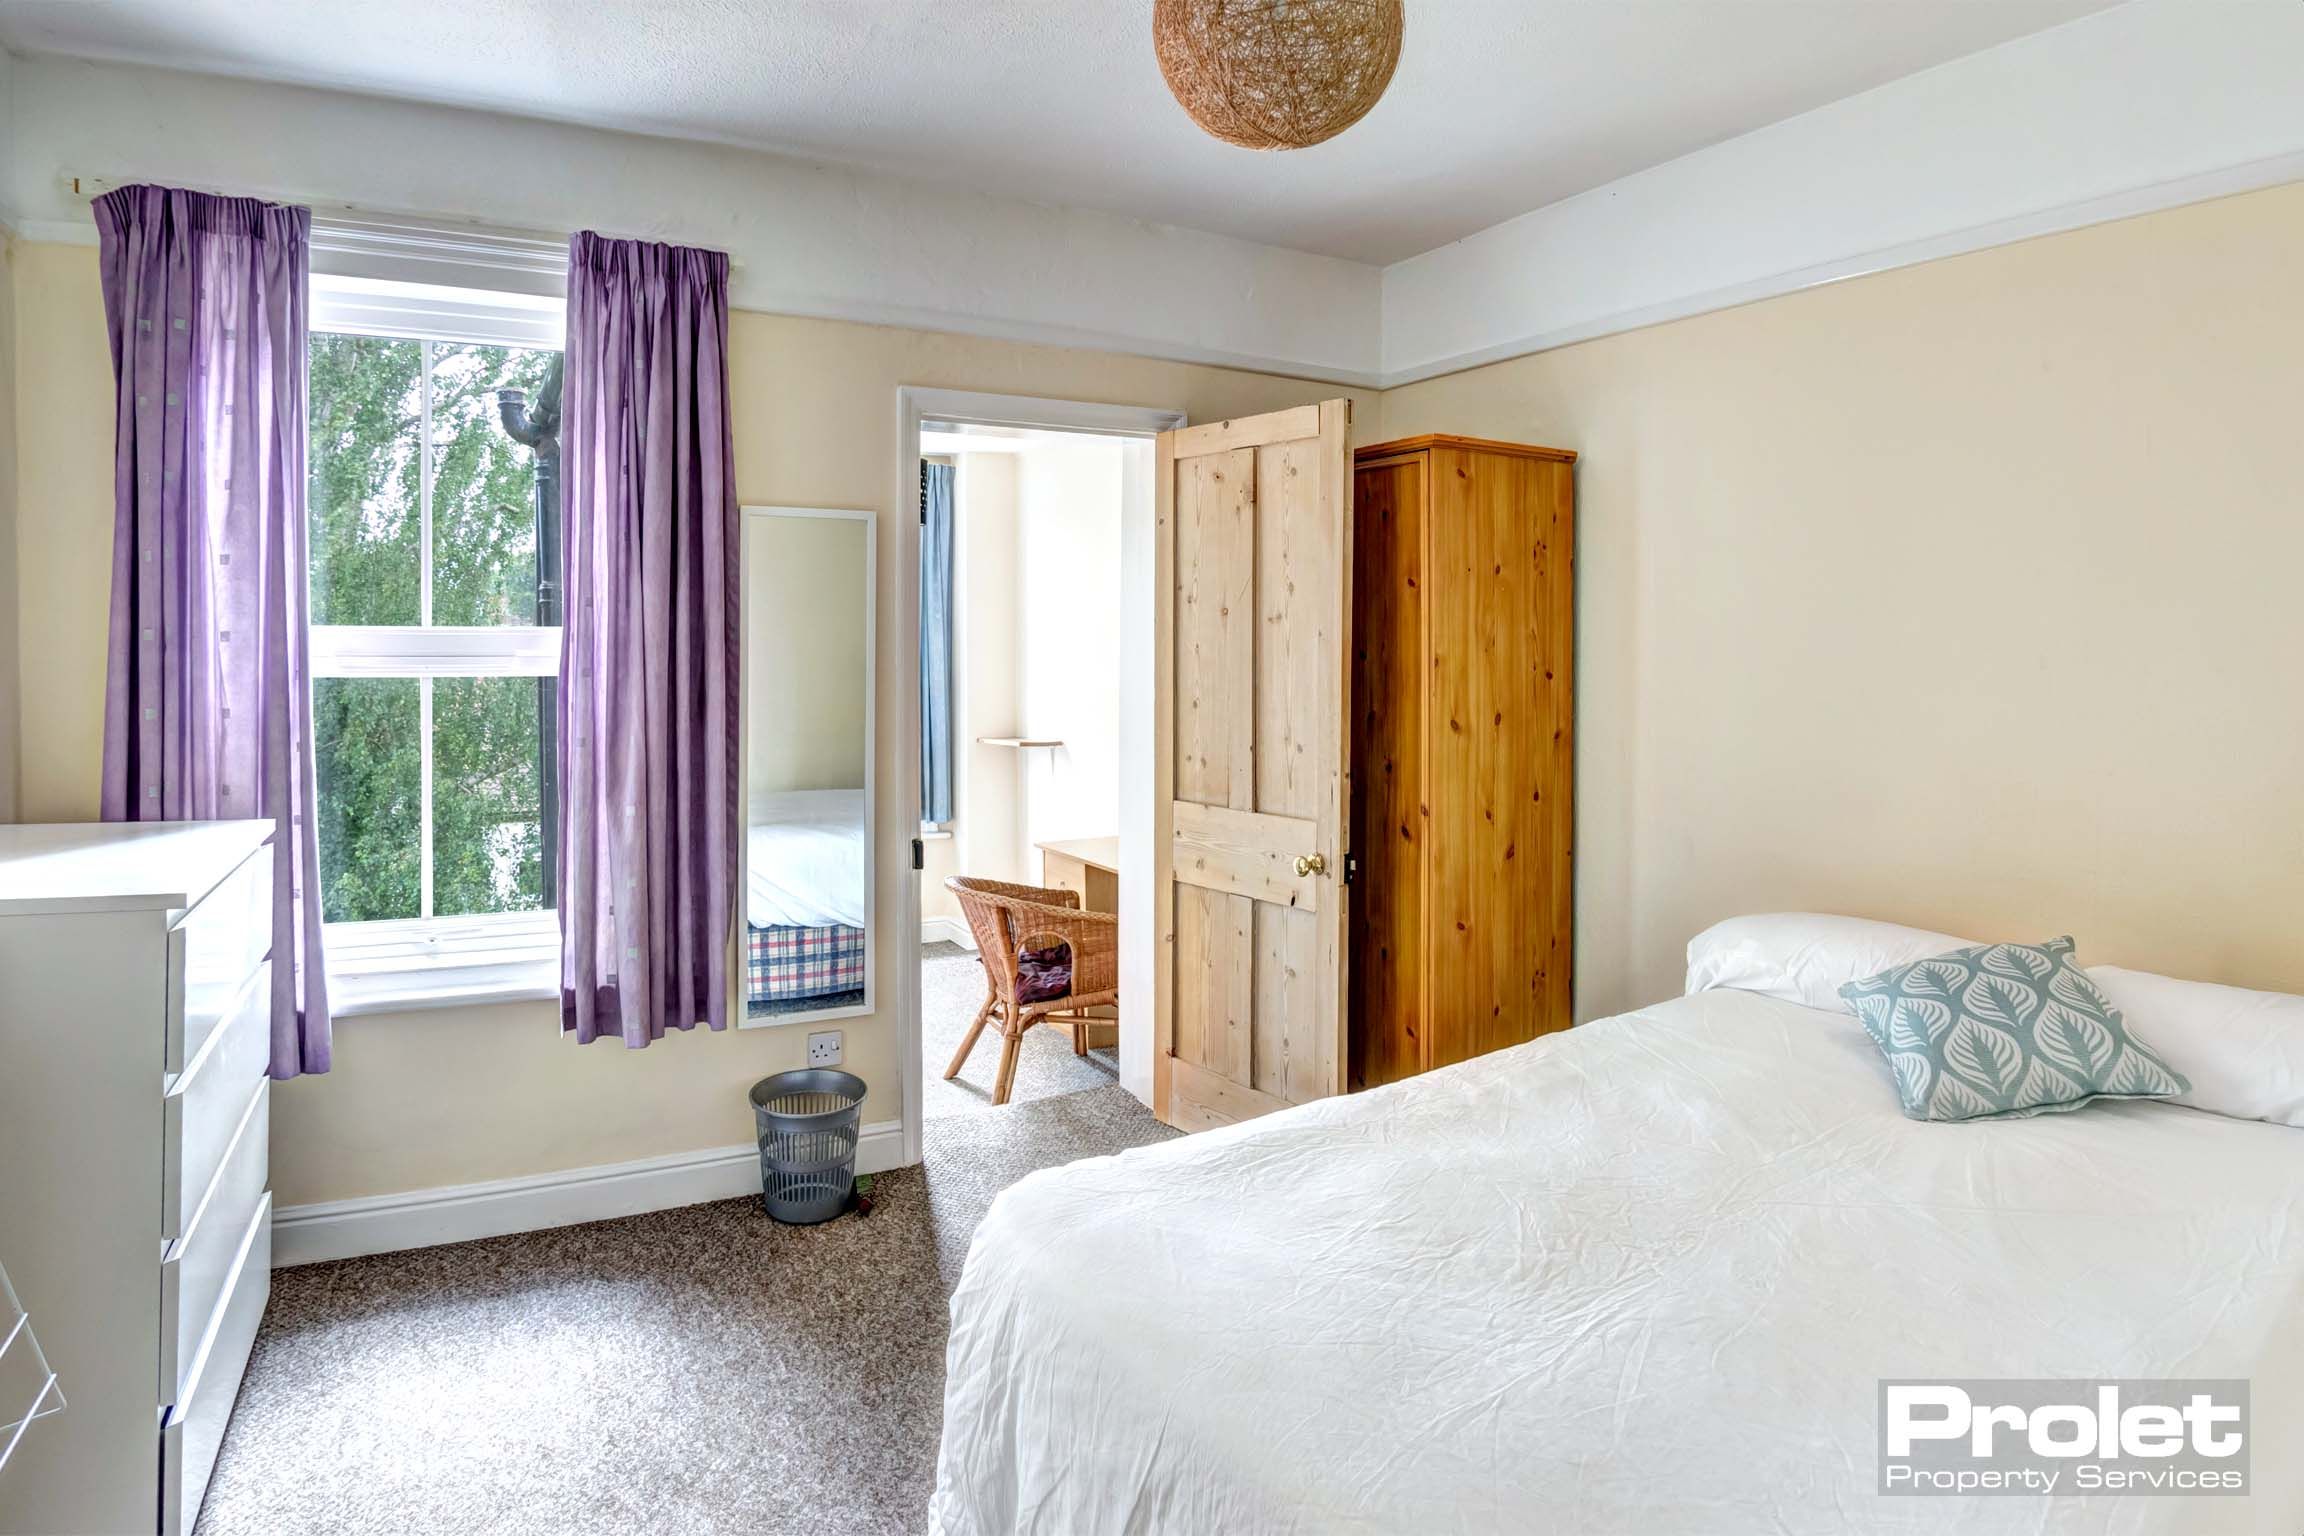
(1068, 637)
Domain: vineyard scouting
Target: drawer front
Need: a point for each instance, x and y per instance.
(196, 1266)
(193, 1431)
(211, 950)
(202, 1109)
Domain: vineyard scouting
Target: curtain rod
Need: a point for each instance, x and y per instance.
(364, 229)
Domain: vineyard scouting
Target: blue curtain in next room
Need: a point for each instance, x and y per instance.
(935, 642)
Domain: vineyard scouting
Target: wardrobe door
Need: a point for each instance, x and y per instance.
(1500, 623)
(1387, 938)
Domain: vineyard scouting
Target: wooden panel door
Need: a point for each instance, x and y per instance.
(1251, 777)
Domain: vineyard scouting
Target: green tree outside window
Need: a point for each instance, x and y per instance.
(370, 400)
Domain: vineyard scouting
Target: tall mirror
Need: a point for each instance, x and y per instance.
(807, 764)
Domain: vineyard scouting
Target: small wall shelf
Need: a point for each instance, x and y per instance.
(1022, 743)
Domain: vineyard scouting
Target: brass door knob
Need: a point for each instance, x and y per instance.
(1311, 864)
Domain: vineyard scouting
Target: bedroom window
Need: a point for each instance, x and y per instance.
(434, 568)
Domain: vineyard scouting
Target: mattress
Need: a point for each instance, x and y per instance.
(1644, 1276)
(804, 860)
(796, 965)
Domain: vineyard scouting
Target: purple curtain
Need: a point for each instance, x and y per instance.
(648, 710)
(208, 699)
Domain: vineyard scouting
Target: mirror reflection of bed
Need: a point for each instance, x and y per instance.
(808, 714)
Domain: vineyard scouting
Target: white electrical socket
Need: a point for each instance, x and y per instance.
(824, 1048)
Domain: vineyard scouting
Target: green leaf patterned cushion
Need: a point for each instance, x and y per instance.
(2004, 1030)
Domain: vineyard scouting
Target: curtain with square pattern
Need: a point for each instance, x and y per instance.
(208, 696)
(650, 769)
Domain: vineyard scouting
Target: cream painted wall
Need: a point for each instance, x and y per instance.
(987, 832)
(1964, 595)
(63, 528)
(939, 858)
(1068, 638)
(9, 730)
(804, 650)
(1037, 600)
(466, 1095)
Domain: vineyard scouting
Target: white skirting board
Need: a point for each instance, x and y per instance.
(948, 930)
(421, 1218)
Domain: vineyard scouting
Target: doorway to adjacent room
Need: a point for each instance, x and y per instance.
(1034, 592)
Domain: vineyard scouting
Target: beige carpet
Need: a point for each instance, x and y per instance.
(692, 1371)
(951, 989)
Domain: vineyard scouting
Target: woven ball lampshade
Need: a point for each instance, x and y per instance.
(1277, 74)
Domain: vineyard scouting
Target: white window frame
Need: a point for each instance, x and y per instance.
(433, 961)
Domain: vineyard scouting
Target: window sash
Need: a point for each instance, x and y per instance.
(446, 650)
(382, 954)
(431, 962)
(358, 948)
(428, 654)
(418, 311)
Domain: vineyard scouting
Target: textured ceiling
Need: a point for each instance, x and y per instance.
(1499, 106)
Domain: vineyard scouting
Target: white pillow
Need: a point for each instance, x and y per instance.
(2243, 1050)
(1806, 957)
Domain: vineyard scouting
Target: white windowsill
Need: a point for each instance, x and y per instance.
(413, 991)
(404, 967)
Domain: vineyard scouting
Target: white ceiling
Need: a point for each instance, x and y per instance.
(1499, 106)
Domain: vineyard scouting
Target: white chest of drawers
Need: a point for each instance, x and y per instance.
(135, 1200)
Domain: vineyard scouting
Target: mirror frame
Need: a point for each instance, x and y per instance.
(753, 517)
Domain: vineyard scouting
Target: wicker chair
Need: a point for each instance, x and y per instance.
(1005, 920)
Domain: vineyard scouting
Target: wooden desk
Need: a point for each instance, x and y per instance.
(1089, 865)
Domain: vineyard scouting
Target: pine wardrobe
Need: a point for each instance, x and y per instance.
(1462, 819)
(1362, 808)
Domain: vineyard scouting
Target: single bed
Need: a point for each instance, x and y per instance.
(804, 901)
(1643, 1276)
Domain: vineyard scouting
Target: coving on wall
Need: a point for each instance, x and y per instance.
(807, 239)
(2145, 106)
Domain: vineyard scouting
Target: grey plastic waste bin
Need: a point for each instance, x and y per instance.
(807, 1122)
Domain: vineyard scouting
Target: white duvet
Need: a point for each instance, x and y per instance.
(1640, 1277)
(804, 860)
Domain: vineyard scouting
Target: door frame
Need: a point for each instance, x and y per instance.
(915, 404)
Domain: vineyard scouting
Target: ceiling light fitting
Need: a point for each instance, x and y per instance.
(1277, 74)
